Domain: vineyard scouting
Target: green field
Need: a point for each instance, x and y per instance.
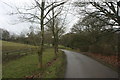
(9, 46)
(12, 51)
(28, 65)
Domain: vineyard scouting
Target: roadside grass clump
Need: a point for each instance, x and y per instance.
(61, 46)
(57, 69)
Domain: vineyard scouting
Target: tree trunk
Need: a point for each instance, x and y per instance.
(39, 59)
(53, 30)
(40, 53)
(55, 48)
(57, 42)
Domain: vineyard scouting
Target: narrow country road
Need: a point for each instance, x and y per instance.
(81, 66)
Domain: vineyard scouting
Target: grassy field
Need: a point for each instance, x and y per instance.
(27, 66)
(9, 46)
(12, 51)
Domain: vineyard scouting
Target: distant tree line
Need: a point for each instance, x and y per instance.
(26, 38)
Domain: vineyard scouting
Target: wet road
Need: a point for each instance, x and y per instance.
(81, 66)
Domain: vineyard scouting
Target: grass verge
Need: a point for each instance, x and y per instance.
(57, 69)
(28, 66)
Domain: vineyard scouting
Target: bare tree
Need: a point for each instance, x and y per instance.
(41, 11)
(57, 30)
(56, 26)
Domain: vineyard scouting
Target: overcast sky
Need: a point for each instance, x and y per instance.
(8, 22)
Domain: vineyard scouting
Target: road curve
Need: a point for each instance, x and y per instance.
(81, 66)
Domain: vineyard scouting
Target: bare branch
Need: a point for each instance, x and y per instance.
(52, 18)
(53, 8)
(31, 8)
(111, 7)
(49, 5)
(19, 12)
(38, 4)
(104, 11)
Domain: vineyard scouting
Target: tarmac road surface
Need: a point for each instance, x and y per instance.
(81, 66)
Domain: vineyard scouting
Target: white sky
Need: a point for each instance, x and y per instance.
(7, 21)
